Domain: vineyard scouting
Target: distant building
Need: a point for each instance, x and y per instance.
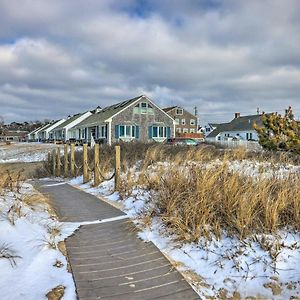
(209, 128)
(46, 134)
(13, 136)
(62, 132)
(240, 128)
(33, 135)
(185, 122)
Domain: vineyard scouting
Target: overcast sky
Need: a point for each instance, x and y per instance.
(60, 57)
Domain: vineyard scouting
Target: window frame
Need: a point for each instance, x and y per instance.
(185, 130)
(192, 122)
(131, 129)
(177, 111)
(159, 130)
(144, 109)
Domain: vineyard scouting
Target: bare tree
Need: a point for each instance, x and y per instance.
(1, 124)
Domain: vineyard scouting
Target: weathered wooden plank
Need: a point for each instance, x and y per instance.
(108, 261)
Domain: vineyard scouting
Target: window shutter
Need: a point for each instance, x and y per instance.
(168, 132)
(106, 131)
(150, 132)
(117, 131)
(137, 132)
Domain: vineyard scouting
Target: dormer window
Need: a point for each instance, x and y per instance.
(179, 111)
(144, 107)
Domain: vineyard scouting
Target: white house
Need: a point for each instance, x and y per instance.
(33, 135)
(62, 132)
(240, 128)
(208, 128)
(45, 133)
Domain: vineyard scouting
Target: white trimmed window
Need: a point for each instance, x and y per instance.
(192, 130)
(182, 121)
(102, 131)
(192, 122)
(177, 121)
(159, 131)
(127, 131)
(179, 111)
(185, 130)
(144, 107)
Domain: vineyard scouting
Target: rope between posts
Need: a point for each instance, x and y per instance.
(103, 177)
(77, 167)
(89, 169)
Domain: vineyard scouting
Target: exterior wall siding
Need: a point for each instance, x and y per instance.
(187, 116)
(242, 135)
(144, 121)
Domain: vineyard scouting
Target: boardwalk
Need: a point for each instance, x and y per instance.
(108, 261)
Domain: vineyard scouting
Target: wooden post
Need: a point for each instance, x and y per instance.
(49, 160)
(96, 165)
(72, 158)
(117, 167)
(53, 162)
(58, 169)
(66, 160)
(85, 164)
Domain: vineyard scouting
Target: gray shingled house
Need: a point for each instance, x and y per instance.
(184, 120)
(137, 119)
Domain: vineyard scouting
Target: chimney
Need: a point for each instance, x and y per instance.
(237, 115)
(98, 109)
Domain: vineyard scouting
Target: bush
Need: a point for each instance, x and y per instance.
(280, 132)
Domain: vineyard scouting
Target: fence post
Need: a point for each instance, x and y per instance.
(72, 160)
(53, 162)
(85, 163)
(117, 167)
(96, 165)
(58, 169)
(66, 161)
(49, 160)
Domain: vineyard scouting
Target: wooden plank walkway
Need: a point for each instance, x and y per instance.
(108, 260)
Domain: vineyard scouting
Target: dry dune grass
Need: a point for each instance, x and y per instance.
(12, 181)
(197, 197)
(201, 199)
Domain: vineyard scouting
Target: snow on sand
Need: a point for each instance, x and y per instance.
(29, 235)
(24, 152)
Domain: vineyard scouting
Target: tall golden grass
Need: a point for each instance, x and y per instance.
(198, 198)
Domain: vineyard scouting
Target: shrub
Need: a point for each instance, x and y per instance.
(280, 132)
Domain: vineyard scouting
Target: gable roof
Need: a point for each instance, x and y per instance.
(238, 124)
(34, 131)
(220, 128)
(51, 125)
(106, 112)
(110, 111)
(68, 121)
(47, 126)
(166, 109)
(214, 124)
(41, 128)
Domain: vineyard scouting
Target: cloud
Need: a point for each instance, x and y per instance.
(62, 57)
